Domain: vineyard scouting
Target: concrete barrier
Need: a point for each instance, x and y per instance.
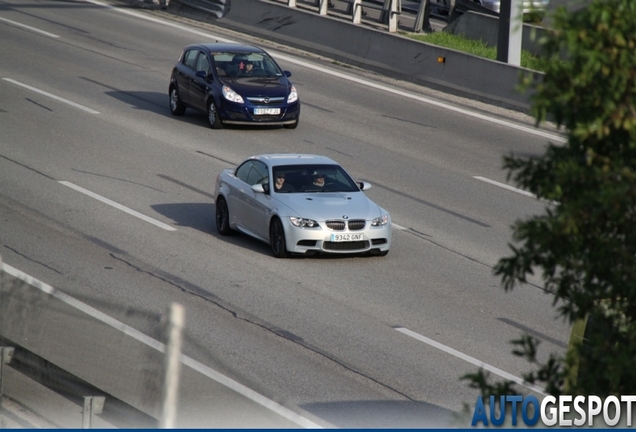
(478, 26)
(387, 53)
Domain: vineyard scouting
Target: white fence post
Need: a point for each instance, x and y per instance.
(357, 11)
(172, 367)
(6, 354)
(393, 16)
(291, 3)
(323, 5)
(92, 405)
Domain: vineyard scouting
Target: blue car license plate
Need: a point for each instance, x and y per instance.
(266, 111)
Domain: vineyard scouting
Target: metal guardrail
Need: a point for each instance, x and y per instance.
(217, 8)
(420, 11)
(13, 284)
(389, 10)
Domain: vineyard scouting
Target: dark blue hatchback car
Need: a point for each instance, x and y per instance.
(234, 84)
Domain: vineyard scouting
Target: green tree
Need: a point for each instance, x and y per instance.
(584, 246)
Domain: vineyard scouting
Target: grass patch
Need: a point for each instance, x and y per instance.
(476, 47)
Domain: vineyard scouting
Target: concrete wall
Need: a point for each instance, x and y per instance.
(380, 51)
(478, 26)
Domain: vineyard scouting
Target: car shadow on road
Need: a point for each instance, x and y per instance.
(199, 216)
(159, 103)
(156, 103)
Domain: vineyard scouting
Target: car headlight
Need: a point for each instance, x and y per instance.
(231, 95)
(293, 95)
(303, 223)
(380, 221)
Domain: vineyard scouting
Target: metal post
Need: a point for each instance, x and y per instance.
(384, 13)
(92, 405)
(291, 3)
(357, 11)
(323, 5)
(510, 32)
(423, 19)
(451, 8)
(6, 354)
(172, 366)
(393, 15)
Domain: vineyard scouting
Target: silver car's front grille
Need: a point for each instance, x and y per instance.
(345, 246)
(340, 225)
(356, 225)
(266, 100)
(336, 225)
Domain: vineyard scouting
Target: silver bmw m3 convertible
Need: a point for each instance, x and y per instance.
(300, 203)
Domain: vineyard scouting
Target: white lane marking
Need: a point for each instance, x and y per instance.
(152, 343)
(521, 191)
(470, 359)
(52, 96)
(29, 28)
(534, 131)
(505, 186)
(118, 206)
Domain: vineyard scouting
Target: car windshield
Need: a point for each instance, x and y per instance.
(312, 178)
(243, 65)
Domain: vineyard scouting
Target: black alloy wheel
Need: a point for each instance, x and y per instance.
(277, 239)
(223, 217)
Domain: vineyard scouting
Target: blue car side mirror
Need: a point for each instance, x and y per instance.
(287, 73)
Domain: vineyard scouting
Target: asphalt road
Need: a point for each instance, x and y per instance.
(321, 341)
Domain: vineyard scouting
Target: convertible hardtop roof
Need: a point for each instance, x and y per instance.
(295, 159)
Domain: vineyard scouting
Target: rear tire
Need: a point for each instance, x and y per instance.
(213, 116)
(277, 239)
(177, 108)
(223, 217)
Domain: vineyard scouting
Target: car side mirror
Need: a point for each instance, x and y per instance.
(203, 74)
(364, 186)
(287, 73)
(259, 188)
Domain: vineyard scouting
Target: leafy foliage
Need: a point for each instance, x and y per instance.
(584, 246)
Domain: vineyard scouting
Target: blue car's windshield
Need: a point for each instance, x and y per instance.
(243, 65)
(311, 178)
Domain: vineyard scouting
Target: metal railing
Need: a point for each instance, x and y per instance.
(388, 11)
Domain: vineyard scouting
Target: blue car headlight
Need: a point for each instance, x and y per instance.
(293, 95)
(303, 223)
(380, 221)
(231, 95)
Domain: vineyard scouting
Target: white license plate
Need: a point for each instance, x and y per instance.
(346, 237)
(266, 111)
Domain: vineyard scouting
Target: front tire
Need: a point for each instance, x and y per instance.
(213, 116)
(177, 108)
(223, 217)
(293, 125)
(277, 239)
